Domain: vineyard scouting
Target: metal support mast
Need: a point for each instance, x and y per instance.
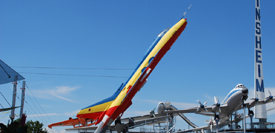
(244, 119)
(22, 98)
(14, 97)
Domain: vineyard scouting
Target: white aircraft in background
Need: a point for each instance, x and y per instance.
(235, 100)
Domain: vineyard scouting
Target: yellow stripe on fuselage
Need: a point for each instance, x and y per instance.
(137, 74)
(97, 108)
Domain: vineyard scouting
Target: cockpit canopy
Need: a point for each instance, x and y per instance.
(240, 86)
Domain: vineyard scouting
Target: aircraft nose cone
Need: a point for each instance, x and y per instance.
(245, 91)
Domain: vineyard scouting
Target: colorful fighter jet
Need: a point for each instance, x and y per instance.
(112, 108)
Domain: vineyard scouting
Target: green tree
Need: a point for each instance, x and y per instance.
(35, 127)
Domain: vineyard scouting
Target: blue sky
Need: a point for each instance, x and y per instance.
(213, 54)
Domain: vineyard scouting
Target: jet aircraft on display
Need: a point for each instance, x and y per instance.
(235, 100)
(112, 108)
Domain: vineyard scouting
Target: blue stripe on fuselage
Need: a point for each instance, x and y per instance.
(148, 52)
(113, 97)
(229, 95)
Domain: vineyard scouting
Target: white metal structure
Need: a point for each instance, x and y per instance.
(260, 111)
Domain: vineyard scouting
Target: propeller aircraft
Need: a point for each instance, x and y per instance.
(235, 100)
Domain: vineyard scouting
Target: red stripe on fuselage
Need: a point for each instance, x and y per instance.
(90, 115)
(129, 88)
(109, 113)
(111, 110)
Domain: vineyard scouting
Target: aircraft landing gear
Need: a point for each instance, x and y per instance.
(217, 119)
(251, 114)
(120, 128)
(118, 125)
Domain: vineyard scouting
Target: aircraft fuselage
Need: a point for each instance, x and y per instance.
(233, 100)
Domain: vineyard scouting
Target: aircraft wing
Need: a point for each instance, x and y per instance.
(71, 122)
(82, 128)
(207, 111)
(5, 109)
(141, 120)
(253, 103)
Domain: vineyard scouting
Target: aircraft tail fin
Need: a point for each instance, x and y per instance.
(96, 110)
